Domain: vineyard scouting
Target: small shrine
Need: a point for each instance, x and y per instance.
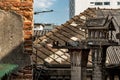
(100, 31)
(99, 38)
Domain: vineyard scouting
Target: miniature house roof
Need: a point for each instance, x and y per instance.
(95, 22)
(100, 23)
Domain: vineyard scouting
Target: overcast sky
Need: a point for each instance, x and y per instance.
(59, 16)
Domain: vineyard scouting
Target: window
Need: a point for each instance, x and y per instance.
(106, 3)
(118, 3)
(91, 2)
(98, 3)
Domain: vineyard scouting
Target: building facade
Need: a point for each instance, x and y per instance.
(78, 6)
(42, 29)
(39, 26)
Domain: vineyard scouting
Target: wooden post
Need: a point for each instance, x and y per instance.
(84, 61)
(111, 77)
(79, 58)
(97, 68)
(119, 76)
(75, 64)
(99, 58)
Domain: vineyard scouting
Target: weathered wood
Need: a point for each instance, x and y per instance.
(84, 61)
(75, 65)
(79, 59)
(99, 58)
(111, 77)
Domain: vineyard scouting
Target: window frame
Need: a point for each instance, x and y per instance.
(98, 3)
(118, 3)
(106, 3)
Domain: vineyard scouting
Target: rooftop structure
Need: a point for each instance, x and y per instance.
(78, 6)
(73, 30)
(42, 29)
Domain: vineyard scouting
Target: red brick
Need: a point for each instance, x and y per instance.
(27, 37)
(28, 32)
(27, 23)
(27, 42)
(16, 4)
(12, 0)
(26, 13)
(14, 8)
(29, 0)
(26, 8)
(26, 4)
(28, 47)
(27, 27)
(1, 4)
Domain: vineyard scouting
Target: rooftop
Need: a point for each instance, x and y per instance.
(72, 31)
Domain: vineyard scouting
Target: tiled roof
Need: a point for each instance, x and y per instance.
(71, 31)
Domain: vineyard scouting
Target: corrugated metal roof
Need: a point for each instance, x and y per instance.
(6, 69)
(40, 33)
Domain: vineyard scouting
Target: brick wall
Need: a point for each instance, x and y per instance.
(24, 8)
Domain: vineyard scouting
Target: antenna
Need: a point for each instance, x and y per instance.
(43, 12)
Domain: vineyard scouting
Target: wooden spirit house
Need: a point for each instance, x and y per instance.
(99, 30)
(100, 37)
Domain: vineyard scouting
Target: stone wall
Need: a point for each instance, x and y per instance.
(25, 9)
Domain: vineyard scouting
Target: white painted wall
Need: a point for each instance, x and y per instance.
(81, 5)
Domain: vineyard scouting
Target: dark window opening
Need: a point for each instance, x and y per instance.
(118, 3)
(106, 3)
(91, 2)
(98, 3)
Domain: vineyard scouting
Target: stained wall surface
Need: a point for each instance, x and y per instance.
(16, 25)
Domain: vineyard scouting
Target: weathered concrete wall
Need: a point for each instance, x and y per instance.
(25, 9)
(11, 39)
(16, 31)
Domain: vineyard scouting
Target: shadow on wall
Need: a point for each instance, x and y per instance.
(11, 39)
(16, 56)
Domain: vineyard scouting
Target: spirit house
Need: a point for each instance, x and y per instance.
(99, 30)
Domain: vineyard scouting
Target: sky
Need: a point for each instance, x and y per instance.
(59, 15)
